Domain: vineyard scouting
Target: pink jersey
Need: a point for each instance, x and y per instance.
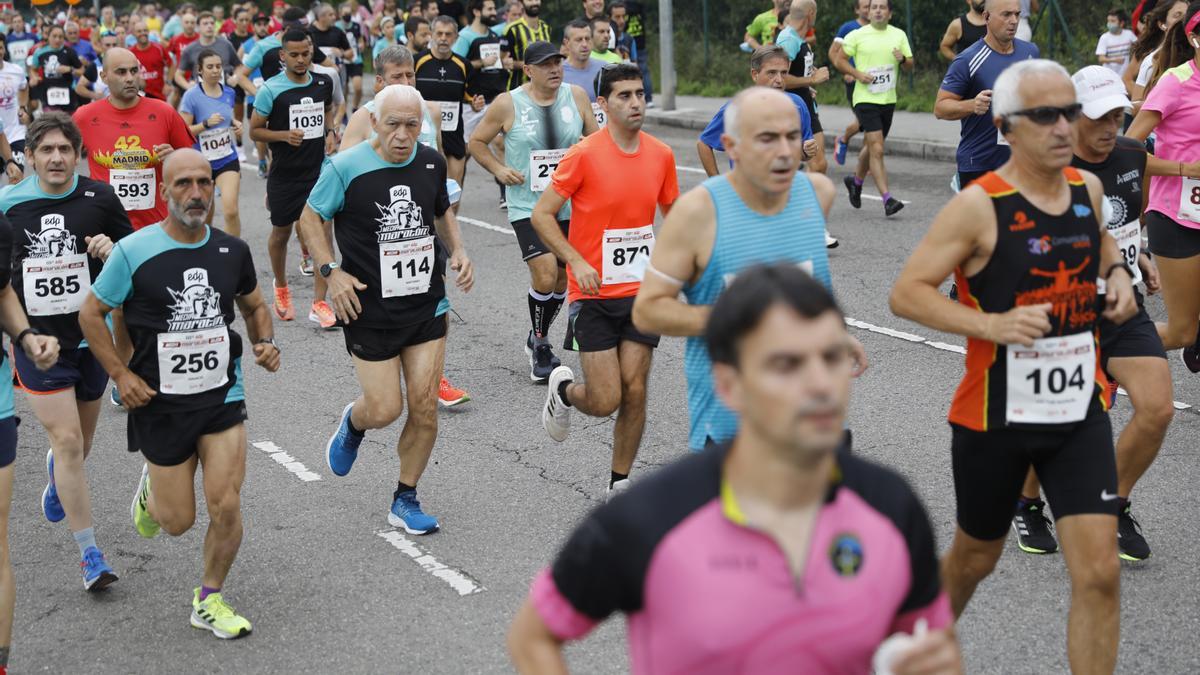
(1177, 139)
(705, 593)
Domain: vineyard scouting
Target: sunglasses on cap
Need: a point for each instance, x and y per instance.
(600, 75)
(1047, 114)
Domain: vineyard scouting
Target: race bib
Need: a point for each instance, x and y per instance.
(55, 285)
(1051, 382)
(309, 117)
(405, 267)
(626, 253)
(489, 51)
(598, 112)
(1129, 241)
(449, 114)
(883, 79)
(332, 53)
(58, 96)
(194, 362)
(216, 144)
(134, 187)
(1189, 200)
(542, 164)
(18, 51)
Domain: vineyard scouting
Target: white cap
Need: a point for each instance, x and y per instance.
(1100, 90)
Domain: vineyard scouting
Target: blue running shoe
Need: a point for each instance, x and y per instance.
(406, 512)
(50, 504)
(342, 448)
(96, 572)
(839, 150)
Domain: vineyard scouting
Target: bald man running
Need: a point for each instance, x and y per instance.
(727, 224)
(177, 282)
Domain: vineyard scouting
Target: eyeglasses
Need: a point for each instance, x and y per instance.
(1047, 114)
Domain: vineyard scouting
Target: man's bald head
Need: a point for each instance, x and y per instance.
(747, 110)
(182, 160)
(119, 57)
(802, 9)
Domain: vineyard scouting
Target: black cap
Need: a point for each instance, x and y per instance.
(540, 51)
(261, 18)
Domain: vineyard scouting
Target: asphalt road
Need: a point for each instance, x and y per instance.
(331, 587)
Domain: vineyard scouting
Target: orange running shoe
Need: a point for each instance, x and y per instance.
(322, 314)
(283, 304)
(449, 396)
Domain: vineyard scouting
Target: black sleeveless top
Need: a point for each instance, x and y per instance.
(970, 34)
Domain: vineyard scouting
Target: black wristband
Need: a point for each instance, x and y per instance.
(21, 336)
(1116, 266)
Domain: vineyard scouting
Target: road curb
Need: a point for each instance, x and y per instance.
(896, 145)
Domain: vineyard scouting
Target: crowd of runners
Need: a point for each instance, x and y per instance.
(1077, 194)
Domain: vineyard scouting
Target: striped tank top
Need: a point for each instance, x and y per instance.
(745, 238)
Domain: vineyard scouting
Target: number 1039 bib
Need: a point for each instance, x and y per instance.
(194, 362)
(626, 253)
(308, 117)
(1051, 382)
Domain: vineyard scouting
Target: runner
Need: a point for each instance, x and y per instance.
(966, 92)
(967, 29)
(539, 120)
(522, 32)
(442, 77)
(62, 220)
(293, 113)
(207, 109)
(154, 60)
(43, 351)
(187, 22)
(330, 39)
(484, 53)
(1141, 71)
(91, 86)
(697, 556)
(862, 10)
(189, 59)
(261, 23)
(580, 69)
(1027, 249)
(178, 282)
(802, 76)
(267, 56)
(879, 50)
(55, 66)
(394, 65)
(393, 315)
(1131, 352)
(602, 37)
(14, 101)
(128, 136)
(19, 41)
(1172, 219)
(349, 24)
(614, 180)
(726, 225)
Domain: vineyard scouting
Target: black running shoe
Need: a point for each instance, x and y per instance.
(855, 192)
(1191, 356)
(1130, 541)
(954, 291)
(542, 360)
(893, 206)
(1033, 528)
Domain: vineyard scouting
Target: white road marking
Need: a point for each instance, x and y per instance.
(248, 165)
(287, 461)
(487, 226)
(689, 169)
(460, 581)
(957, 349)
(879, 199)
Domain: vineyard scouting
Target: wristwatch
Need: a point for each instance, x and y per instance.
(269, 341)
(21, 336)
(328, 269)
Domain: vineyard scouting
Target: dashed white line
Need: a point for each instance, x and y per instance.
(288, 462)
(461, 582)
(486, 225)
(689, 169)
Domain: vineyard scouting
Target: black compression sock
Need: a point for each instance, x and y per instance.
(402, 488)
(616, 477)
(543, 307)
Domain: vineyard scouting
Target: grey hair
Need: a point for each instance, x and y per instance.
(446, 20)
(1006, 95)
(399, 94)
(395, 55)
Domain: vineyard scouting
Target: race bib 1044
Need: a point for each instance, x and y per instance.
(216, 144)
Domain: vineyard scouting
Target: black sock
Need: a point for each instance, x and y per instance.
(503, 192)
(543, 307)
(616, 477)
(350, 423)
(558, 299)
(401, 488)
(562, 391)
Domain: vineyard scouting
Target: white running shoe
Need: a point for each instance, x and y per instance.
(556, 415)
(616, 489)
(830, 241)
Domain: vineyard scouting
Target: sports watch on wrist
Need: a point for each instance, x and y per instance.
(328, 269)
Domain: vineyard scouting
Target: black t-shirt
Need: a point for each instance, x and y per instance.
(451, 8)
(238, 40)
(179, 300)
(444, 80)
(1122, 175)
(383, 219)
(271, 65)
(52, 244)
(803, 66)
(489, 82)
(332, 42)
(291, 105)
(47, 61)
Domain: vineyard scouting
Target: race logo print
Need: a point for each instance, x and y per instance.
(401, 218)
(197, 306)
(53, 241)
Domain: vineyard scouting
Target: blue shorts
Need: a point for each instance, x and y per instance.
(76, 369)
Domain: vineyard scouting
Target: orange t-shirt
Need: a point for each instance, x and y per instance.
(613, 199)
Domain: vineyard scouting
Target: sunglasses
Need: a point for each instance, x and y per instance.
(1046, 115)
(600, 75)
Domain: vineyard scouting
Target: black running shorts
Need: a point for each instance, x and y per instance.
(378, 344)
(597, 325)
(1135, 338)
(286, 198)
(529, 241)
(1076, 466)
(170, 439)
(1169, 239)
(875, 117)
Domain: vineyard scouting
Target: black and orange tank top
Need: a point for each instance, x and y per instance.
(1039, 258)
